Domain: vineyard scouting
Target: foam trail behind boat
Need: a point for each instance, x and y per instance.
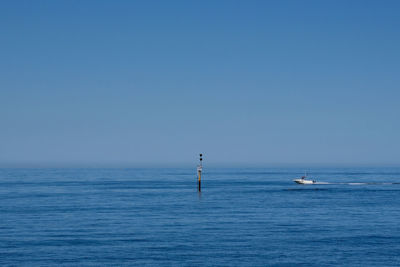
(354, 183)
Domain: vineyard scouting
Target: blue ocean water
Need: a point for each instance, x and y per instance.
(243, 217)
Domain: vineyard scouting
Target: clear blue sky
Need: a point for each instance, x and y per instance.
(156, 82)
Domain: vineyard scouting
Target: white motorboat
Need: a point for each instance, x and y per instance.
(304, 180)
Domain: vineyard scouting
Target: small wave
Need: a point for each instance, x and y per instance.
(307, 189)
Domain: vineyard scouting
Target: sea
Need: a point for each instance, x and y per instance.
(157, 217)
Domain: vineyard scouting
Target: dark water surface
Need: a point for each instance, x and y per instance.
(243, 217)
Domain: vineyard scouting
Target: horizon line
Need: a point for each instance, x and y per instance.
(110, 165)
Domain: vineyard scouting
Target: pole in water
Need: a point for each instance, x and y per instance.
(199, 170)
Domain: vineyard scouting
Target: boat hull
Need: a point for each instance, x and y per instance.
(303, 181)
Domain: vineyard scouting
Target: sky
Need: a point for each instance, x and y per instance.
(155, 83)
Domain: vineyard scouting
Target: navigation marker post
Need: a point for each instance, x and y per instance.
(199, 170)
